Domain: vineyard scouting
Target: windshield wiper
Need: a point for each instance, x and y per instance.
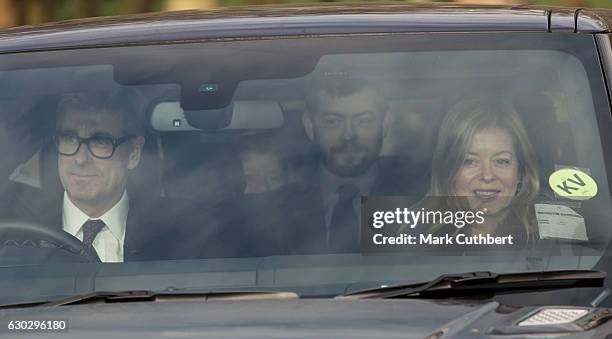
(485, 284)
(151, 296)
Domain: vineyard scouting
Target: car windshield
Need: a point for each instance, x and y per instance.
(317, 165)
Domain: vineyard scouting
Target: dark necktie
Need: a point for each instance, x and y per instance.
(344, 226)
(91, 228)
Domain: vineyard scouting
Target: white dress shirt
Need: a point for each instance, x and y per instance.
(109, 241)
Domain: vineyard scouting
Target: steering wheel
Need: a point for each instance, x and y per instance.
(20, 229)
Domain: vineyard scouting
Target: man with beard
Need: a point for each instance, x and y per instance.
(344, 120)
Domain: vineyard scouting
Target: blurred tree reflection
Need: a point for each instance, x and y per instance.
(26, 12)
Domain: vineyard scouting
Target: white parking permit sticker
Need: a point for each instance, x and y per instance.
(560, 222)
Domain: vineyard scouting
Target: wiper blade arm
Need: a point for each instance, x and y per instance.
(152, 296)
(485, 283)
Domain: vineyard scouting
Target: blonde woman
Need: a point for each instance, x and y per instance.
(483, 161)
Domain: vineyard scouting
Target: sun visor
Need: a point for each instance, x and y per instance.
(240, 115)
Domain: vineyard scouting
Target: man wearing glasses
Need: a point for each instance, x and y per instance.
(99, 141)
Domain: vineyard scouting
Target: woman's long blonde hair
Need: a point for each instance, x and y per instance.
(464, 120)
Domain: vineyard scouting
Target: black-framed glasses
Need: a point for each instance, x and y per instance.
(101, 147)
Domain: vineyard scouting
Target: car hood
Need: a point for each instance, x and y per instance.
(287, 318)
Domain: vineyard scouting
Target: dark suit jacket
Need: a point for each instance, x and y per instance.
(395, 177)
(156, 228)
(278, 222)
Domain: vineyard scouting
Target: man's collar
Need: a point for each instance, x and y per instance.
(330, 182)
(115, 218)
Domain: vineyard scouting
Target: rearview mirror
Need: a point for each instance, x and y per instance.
(168, 116)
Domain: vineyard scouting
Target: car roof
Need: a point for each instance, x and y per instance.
(300, 20)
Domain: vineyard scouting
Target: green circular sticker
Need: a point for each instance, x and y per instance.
(572, 184)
